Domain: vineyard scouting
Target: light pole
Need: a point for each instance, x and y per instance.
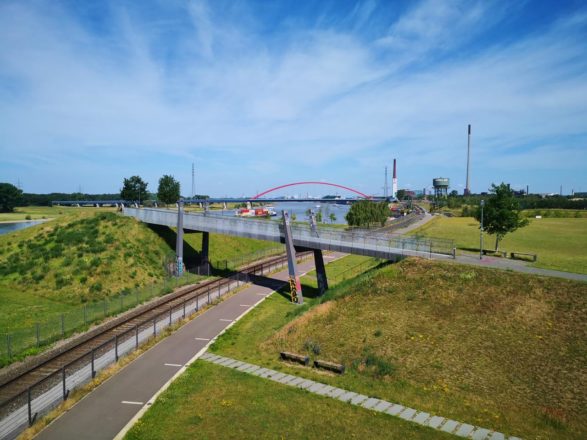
(481, 232)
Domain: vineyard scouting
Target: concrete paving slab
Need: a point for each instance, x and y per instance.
(382, 406)
(316, 387)
(347, 396)
(252, 369)
(498, 436)
(370, 403)
(236, 364)
(324, 391)
(296, 381)
(395, 409)
(244, 367)
(435, 421)
(408, 413)
(259, 371)
(358, 399)
(480, 434)
(464, 430)
(421, 418)
(306, 384)
(288, 379)
(277, 376)
(449, 426)
(335, 392)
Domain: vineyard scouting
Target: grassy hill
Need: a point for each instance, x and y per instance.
(86, 255)
(498, 349)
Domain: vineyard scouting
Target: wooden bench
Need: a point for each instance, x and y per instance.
(287, 356)
(524, 256)
(503, 254)
(331, 366)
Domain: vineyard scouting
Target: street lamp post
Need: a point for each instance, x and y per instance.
(481, 232)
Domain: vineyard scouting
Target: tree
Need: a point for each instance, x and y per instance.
(401, 194)
(501, 214)
(319, 216)
(10, 197)
(134, 189)
(168, 191)
(332, 217)
(366, 213)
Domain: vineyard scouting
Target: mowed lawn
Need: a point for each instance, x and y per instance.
(210, 402)
(560, 243)
(501, 350)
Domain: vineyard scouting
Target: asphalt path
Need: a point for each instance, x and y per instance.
(104, 412)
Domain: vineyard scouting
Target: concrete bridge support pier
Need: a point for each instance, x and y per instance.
(320, 271)
(205, 255)
(179, 239)
(295, 286)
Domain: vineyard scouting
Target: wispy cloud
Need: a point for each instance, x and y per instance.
(201, 83)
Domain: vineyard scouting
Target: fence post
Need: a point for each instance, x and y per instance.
(65, 393)
(116, 347)
(208, 294)
(93, 367)
(170, 315)
(38, 332)
(197, 301)
(136, 336)
(29, 407)
(62, 325)
(184, 310)
(155, 326)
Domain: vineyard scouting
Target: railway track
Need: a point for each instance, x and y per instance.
(86, 348)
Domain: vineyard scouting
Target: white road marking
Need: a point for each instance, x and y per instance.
(245, 305)
(226, 320)
(173, 365)
(202, 339)
(262, 294)
(127, 402)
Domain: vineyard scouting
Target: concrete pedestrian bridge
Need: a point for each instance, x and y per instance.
(384, 245)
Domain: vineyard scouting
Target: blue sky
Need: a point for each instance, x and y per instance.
(262, 93)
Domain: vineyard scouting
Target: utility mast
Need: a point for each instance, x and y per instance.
(193, 182)
(385, 186)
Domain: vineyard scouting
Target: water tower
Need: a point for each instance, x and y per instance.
(440, 185)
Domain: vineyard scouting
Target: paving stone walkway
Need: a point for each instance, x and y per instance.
(423, 418)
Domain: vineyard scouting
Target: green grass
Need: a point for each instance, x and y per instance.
(560, 243)
(210, 402)
(43, 212)
(500, 350)
(80, 264)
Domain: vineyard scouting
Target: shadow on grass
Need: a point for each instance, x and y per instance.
(191, 257)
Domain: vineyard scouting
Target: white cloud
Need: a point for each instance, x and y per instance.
(323, 95)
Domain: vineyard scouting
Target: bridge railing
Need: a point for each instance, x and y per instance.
(356, 241)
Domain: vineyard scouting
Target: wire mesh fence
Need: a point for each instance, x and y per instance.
(18, 343)
(27, 406)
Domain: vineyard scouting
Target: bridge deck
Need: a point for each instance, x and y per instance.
(387, 246)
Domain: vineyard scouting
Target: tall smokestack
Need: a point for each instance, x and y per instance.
(394, 181)
(468, 187)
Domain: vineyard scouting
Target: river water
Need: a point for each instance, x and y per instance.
(6, 228)
(300, 209)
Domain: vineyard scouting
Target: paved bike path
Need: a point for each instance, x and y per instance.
(104, 412)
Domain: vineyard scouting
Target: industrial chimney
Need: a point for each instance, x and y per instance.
(468, 187)
(394, 181)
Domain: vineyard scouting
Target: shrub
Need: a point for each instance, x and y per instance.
(28, 217)
(96, 287)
